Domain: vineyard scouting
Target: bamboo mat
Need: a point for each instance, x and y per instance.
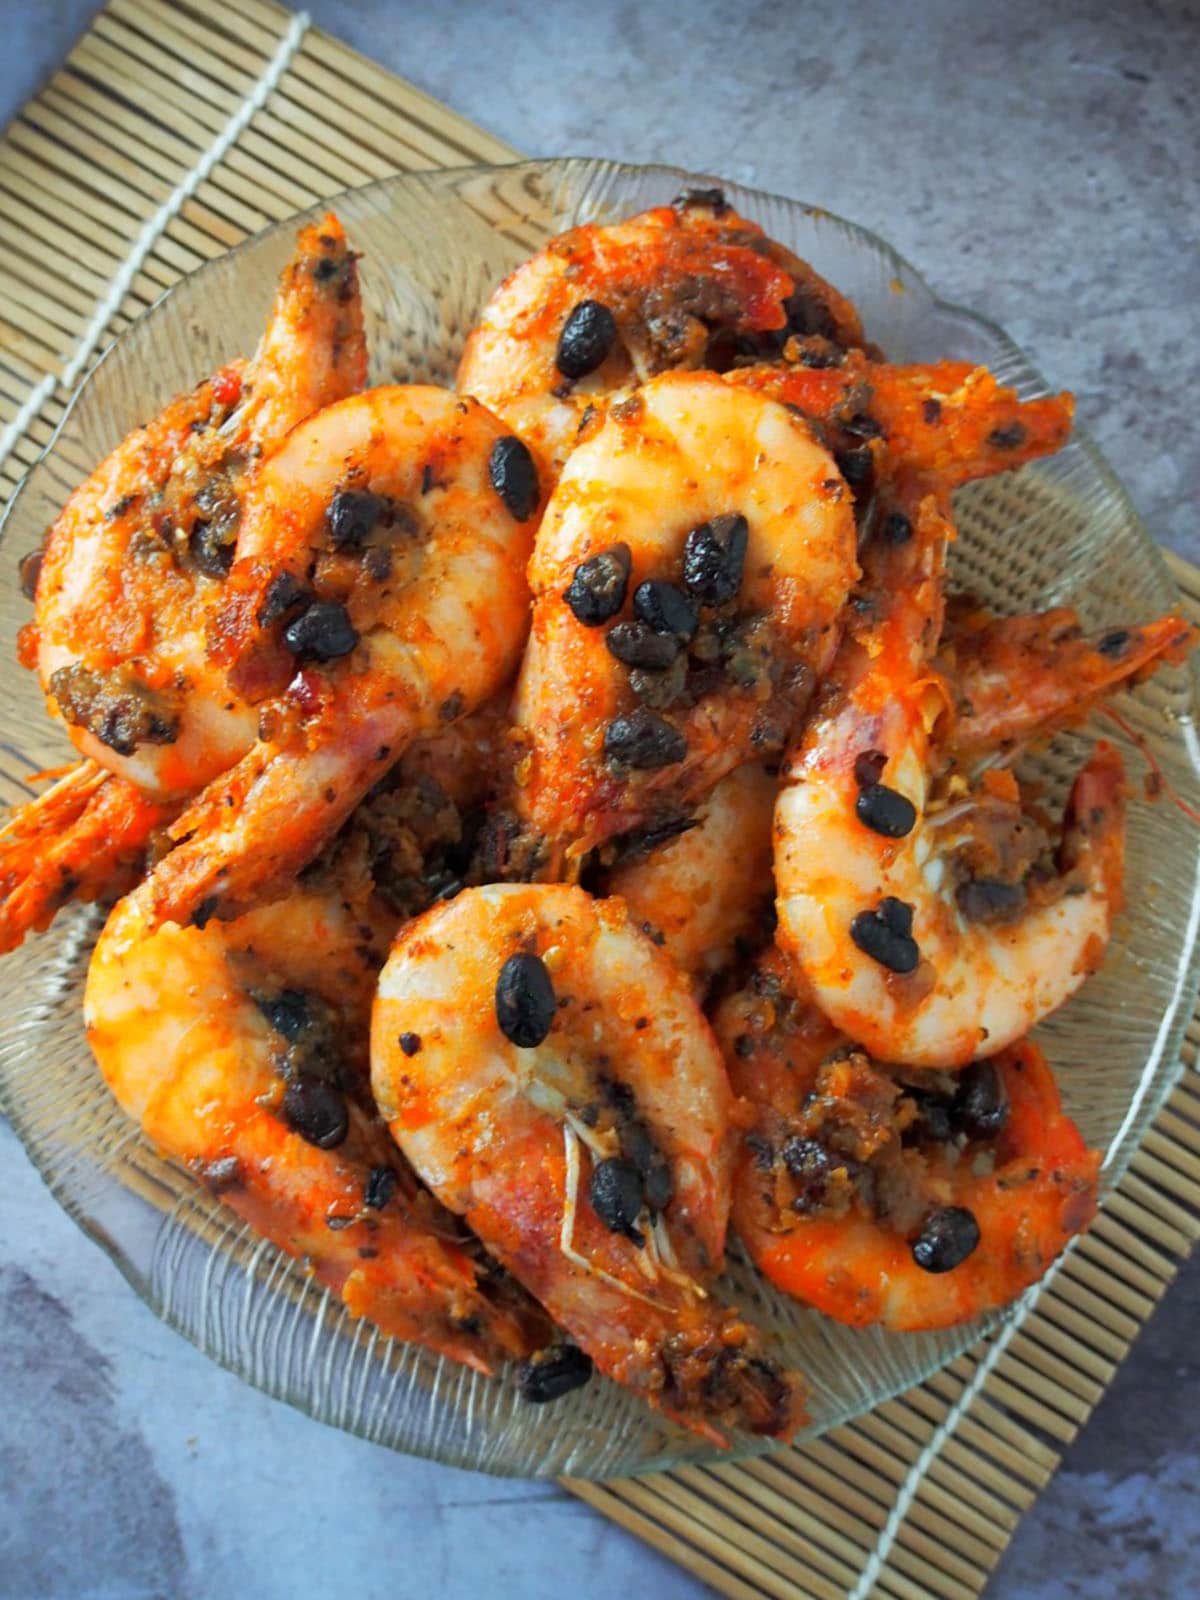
(172, 132)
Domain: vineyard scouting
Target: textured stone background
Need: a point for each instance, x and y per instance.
(1046, 171)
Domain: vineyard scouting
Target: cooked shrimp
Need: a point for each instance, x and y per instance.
(1017, 678)
(702, 885)
(916, 1199)
(131, 569)
(241, 1050)
(922, 427)
(702, 882)
(605, 306)
(548, 1074)
(688, 576)
(932, 924)
(379, 591)
(136, 559)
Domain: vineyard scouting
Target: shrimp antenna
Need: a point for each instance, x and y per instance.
(1161, 783)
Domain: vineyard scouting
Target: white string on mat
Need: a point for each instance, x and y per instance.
(911, 1486)
(152, 230)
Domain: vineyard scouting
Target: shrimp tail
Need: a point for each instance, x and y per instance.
(1019, 678)
(84, 839)
(946, 423)
(485, 1317)
(489, 1318)
(411, 1283)
(314, 349)
(953, 423)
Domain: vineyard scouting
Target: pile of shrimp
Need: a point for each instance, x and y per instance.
(553, 821)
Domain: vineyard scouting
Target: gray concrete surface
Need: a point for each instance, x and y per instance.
(1039, 163)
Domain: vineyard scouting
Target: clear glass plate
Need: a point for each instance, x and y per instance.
(433, 248)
